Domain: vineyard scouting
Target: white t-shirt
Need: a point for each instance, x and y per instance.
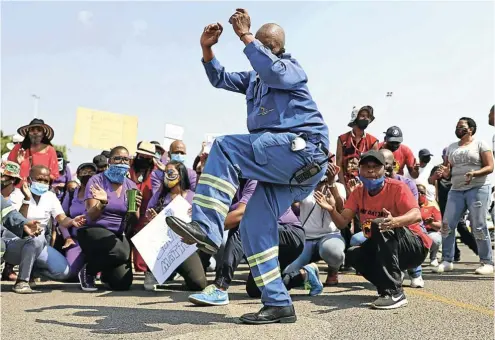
(319, 223)
(49, 206)
(424, 174)
(16, 198)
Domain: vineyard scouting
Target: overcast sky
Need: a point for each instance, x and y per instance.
(144, 59)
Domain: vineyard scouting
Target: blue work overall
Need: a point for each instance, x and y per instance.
(280, 109)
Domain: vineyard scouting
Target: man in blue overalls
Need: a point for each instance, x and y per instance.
(286, 152)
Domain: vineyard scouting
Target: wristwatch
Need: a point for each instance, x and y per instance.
(26, 202)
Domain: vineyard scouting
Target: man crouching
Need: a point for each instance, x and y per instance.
(390, 219)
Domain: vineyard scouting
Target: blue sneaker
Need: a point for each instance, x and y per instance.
(210, 296)
(312, 281)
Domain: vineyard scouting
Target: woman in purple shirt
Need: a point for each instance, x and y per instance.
(102, 240)
(175, 183)
(73, 205)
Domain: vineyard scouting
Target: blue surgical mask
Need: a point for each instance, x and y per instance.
(178, 157)
(372, 184)
(116, 173)
(38, 188)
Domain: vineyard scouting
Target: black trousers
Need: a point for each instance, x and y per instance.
(109, 254)
(382, 258)
(291, 245)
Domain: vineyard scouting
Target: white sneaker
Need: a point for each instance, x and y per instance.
(417, 282)
(444, 267)
(434, 263)
(484, 269)
(149, 281)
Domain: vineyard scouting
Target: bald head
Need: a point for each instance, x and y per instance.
(178, 147)
(272, 36)
(389, 162)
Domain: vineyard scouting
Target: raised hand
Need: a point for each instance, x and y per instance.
(98, 193)
(26, 191)
(159, 164)
(211, 34)
(240, 21)
(325, 202)
(21, 156)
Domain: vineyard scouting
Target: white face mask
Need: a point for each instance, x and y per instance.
(60, 164)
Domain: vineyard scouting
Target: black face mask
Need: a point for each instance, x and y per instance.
(393, 147)
(142, 163)
(461, 132)
(84, 179)
(362, 124)
(6, 184)
(426, 159)
(389, 170)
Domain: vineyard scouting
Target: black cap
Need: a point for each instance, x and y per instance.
(100, 161)
(86, 165)
(60, 154)
(106, 153)
(394, 134)
(372, 154)
(424, 153)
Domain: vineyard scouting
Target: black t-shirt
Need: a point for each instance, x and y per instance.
(444, 186)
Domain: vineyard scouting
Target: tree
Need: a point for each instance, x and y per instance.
(5, 140)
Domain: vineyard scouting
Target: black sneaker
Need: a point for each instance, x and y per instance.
(192, 233)
(87, 281)
(387, 301)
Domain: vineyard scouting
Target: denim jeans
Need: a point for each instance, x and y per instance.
(436, 237)
(330, 248)
(52, 265)
(475, 200)
(358, 238)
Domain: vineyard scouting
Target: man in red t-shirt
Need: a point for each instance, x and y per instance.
(390, 218)
(402, 153)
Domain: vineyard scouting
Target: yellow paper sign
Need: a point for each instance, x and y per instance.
(104, 130)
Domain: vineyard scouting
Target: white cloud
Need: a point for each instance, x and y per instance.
(139, 27)
(85, 18)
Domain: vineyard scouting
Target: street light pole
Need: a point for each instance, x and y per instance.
(35, 111)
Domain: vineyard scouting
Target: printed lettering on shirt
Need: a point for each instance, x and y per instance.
(376, 214)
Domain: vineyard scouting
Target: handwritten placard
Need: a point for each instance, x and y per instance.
(103, 130)
(161, 248)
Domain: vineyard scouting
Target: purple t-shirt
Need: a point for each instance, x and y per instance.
(244, 194)
(65, 178)
(157, 177)
(78, 207)
(410, 183)
(155, 199)
(113, 214)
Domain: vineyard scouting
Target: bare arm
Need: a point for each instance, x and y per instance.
(487, 162)
(340, 162)
(94, 209)
(411, 217)
(234, 217)
(342, 219)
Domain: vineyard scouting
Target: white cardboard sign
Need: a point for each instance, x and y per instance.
(161, 248)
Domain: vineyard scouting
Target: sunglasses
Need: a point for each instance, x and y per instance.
(121, 159)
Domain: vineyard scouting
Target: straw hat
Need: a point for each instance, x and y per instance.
(47, 129)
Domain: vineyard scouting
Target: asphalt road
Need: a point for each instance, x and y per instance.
(452, 305)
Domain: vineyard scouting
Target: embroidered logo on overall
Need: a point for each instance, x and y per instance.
(264, 111)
